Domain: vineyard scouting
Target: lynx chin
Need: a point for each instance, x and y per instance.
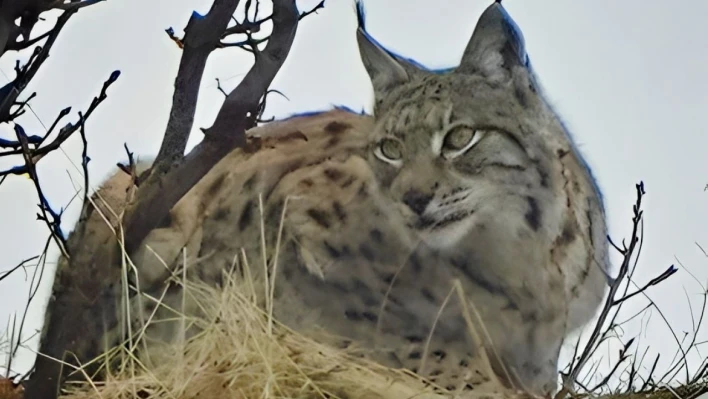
(464, 178)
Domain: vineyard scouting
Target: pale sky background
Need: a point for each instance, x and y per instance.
(629, 79)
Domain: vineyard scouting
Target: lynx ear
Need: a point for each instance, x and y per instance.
(496, 46)
(383, 69)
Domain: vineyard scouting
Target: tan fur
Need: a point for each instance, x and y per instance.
(371, 247)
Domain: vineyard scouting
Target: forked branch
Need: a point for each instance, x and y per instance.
(85, 288)
(237, 114)
(601, 329)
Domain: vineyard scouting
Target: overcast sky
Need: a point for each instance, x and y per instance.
(629, 79)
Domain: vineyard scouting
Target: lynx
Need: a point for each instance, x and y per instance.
(465, 181)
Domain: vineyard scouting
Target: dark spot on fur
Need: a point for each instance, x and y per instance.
(415, 264)
(427, 294)
(544, 178)
(531, 317)
(555, 285)
(562, 153)
(286, 271)
(463, 363)
(370, 316)
(320, 217)
(567, 235)
(296, 135)
(368, 299)
(348, 182)
(339, 211)
(376, 235)
(387, 278)
(307, 182)
(332, 142)
(589, 218)
(414, 355)
(520, 97)
(201, 273)
(463, 265)
(250, 182)
(345, 250)
(392, 299)
(439, 354)
(339, 286)
(363, 291)
(352, 315)
(363, 191)
(366, 252)
(503, 165)
(335, 127)
(246, 215)
(331, 251)
(293, 166)
(222, 213)
(215, 186)
(333, 174)
(533, 215)
(435, 373)
(414, 339)
(450, 387)
(510, 305)
(274, 214)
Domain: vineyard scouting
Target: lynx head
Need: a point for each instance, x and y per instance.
(465, 148)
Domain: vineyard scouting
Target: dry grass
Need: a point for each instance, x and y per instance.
(238, 355)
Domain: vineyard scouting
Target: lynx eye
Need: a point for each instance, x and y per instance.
(389, 150)
(458, 140)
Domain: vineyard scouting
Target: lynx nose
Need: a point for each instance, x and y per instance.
(416, 200)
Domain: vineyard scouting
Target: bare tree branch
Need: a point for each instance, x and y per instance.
(237, 114)
(18, 266)
(27, 12)
(36, 153)
(12, 90)
(202, 35)
(570, 378)
(86, 288)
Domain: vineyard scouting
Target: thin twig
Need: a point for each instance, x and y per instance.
(18, 266)
(627, 252)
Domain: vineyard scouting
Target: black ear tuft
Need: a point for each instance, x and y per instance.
(360, 15)
(497, 44)
(383, 69)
